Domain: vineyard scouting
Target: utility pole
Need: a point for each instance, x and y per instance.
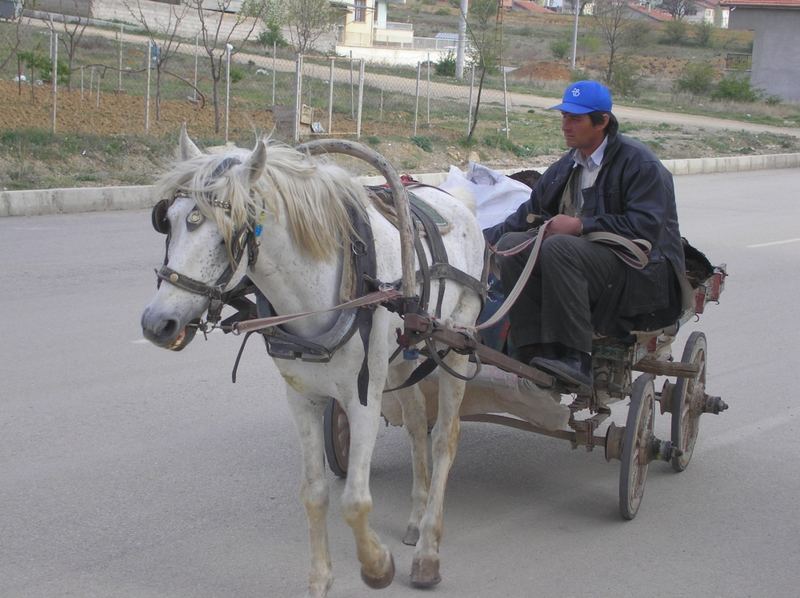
(575, 33)
(462, 35)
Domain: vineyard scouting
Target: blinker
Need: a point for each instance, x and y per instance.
(159, 217)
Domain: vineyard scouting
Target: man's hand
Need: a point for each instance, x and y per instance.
(561, 224)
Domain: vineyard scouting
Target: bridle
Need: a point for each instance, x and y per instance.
(241, 241)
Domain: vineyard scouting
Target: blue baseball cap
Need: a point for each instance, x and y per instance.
(583, 97)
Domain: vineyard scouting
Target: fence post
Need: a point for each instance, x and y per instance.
(274, 68)
(54, 58)
(330, 99)
(469, 108)
(196, 56)
(119, 72)
(147, 92)
(352, 99)
(228, 49)
(428, 120)
(505, 99)
(298, 100)
(360, 97)
(416, 98)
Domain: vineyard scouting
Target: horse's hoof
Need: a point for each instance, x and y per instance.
(425, 572)
(412, 536)
(378, 583)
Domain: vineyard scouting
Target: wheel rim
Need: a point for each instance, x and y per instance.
(688, 401)
(337, 438)
(636, 446)
(341, 437)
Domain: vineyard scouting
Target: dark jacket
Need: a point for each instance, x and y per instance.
(634, 197)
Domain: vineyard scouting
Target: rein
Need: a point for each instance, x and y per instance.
(634, 253)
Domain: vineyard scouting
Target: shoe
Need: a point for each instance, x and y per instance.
(573, 369)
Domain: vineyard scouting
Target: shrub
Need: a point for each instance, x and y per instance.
(446, 67)
(703, 33)
(237, 74)
(638, 34)
(560, 48)
(625, 79)
(737, 89)
(272, 36)
(423, 143)
(696, 79)
(675, 32)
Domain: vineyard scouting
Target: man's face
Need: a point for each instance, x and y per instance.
(580, 133)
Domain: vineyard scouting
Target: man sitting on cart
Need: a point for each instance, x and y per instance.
(606, 182)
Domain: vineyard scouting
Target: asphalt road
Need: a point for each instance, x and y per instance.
(129, 471)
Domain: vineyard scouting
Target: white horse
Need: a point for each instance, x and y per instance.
(299, 205)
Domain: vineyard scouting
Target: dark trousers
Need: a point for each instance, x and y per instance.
(575, 284)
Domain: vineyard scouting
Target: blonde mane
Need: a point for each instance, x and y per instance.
(313, 195)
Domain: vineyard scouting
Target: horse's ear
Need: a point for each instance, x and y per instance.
(188, 148)
(255, 163)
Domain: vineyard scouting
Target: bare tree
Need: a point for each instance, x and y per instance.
(163, 36)
(70, 30)
(612, 19)
(484, 32)
(308, 20)
(678, 8)
(216, 33)
(10, 39)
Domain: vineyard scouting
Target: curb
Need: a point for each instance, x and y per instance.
(39, 202)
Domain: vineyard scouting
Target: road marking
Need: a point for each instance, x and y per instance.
(140, 341)
(757, 428)
(771, 243)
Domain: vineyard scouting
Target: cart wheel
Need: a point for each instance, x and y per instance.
(687, 401)
(636, 446)
(337, 438)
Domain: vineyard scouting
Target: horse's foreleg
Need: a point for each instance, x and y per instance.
(308, 416)
(377, 564)
(415, 420)
(425, 566)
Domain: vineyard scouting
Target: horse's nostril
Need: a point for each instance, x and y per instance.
(168, 329)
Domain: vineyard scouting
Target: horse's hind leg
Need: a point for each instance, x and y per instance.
(425, 566)
(308, 416)
(377, 563)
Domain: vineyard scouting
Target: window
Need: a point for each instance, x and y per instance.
(360, 12)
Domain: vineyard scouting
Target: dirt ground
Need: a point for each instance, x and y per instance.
(113, 150)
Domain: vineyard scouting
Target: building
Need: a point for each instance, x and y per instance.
(776, 61)
(367, 34)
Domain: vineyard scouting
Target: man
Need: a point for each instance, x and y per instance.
(606, 182)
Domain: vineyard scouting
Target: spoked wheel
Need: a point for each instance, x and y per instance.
(688, 398)
(637, 445)
(337, 438)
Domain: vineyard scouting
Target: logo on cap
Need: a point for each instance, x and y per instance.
(576, 92)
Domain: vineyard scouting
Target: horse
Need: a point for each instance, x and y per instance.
(284, 220)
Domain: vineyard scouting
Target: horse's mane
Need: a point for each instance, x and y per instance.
(312, 194)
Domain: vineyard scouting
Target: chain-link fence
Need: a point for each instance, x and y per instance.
(110, 89)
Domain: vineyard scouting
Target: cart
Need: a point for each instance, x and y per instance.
(622, 369)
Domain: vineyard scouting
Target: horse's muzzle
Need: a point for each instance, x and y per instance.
(167, 333)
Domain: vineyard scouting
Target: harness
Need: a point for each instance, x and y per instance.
(354, 315)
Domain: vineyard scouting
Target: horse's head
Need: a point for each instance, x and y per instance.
(207, 248)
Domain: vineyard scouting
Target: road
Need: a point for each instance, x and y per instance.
(129, 471)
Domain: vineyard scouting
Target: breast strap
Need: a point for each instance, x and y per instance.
(282, 344)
